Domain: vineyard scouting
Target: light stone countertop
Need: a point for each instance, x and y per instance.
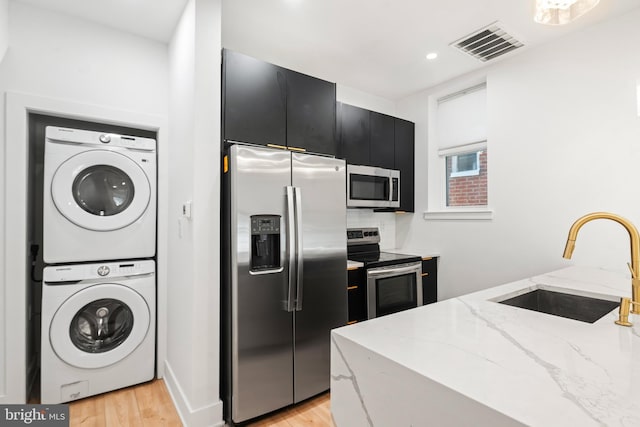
(354, 264)
(423, 254)
(469, 361)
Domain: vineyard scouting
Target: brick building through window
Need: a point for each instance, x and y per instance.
(467, 186)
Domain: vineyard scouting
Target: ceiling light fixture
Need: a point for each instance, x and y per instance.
(559, 12)
(432, 55)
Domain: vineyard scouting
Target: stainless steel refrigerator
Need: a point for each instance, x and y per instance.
(286, 287)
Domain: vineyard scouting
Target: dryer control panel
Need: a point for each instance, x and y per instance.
(68, 273)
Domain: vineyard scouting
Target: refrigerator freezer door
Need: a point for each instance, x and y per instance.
(261, 339)
(322, 186)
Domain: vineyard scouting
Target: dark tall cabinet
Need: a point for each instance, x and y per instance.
(269, 105)
(404, 162)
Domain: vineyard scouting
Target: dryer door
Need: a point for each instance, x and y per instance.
(101, 190)
(99, 326)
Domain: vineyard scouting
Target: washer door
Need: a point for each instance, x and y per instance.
(99, 326)
(100, 190)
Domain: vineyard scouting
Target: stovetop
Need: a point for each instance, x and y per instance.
(382, 259)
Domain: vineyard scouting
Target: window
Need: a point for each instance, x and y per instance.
(458, 177)
(467, 164)
(466, 178)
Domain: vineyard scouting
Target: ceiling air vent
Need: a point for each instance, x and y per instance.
(488, 43)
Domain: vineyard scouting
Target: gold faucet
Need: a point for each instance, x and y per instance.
(634, 266)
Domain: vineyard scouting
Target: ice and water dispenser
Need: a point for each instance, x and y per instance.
(265, 242)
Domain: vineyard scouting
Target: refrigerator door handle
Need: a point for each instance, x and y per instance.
(299, 257)
(291, 247)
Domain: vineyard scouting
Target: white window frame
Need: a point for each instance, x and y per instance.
(455, 173)
(437, 208)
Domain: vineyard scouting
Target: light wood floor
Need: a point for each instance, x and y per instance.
(144, 405)
(313, 412)
(149, 405)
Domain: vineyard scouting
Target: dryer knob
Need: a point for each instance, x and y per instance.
(105, 139)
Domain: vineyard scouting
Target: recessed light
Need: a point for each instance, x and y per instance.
(432, 55)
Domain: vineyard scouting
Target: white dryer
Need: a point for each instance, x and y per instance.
(98, 328)
(99, 196)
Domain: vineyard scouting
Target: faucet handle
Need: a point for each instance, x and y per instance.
(623, 312)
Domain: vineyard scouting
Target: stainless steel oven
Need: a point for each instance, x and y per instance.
(394, 281)
(393, 288)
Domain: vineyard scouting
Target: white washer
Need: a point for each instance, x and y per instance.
(98, 328)
(99, 196)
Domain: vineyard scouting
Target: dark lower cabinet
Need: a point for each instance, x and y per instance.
(357, 293)
(404, 162)
(429, 280)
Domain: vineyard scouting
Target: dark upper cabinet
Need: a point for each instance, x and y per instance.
(311, 114)
(254, 100)
(382, 145)
(354, 134)
(375, 139)
(404, 162)
(266, 104)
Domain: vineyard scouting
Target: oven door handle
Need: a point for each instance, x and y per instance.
(394, 270)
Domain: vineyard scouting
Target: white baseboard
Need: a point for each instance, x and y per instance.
(206, 416)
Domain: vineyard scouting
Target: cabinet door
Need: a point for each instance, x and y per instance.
(382, 144)
(429, 280)
(311, 114)
(354, 138)
(357, 292)
(404, 161)
(254, 100)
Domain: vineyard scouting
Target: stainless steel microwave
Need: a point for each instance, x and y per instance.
(371, 187)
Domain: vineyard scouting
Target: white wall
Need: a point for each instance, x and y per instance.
(361, 99)
(4, 28)
(563, 140)
(194, 272)
(60, 60)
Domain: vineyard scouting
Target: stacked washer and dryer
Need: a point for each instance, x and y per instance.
(99, 285)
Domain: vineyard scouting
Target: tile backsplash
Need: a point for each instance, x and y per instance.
(386, 222)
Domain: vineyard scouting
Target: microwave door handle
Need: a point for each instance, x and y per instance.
(291, 248)
(394, 271)
(299, 254)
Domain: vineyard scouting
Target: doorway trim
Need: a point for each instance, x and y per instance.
(14, 251)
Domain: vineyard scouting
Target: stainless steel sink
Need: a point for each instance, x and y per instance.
(577, 307)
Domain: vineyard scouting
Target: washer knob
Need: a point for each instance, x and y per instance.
(105, 139)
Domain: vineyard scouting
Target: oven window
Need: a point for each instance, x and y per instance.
(367, 187)
(395, 294)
